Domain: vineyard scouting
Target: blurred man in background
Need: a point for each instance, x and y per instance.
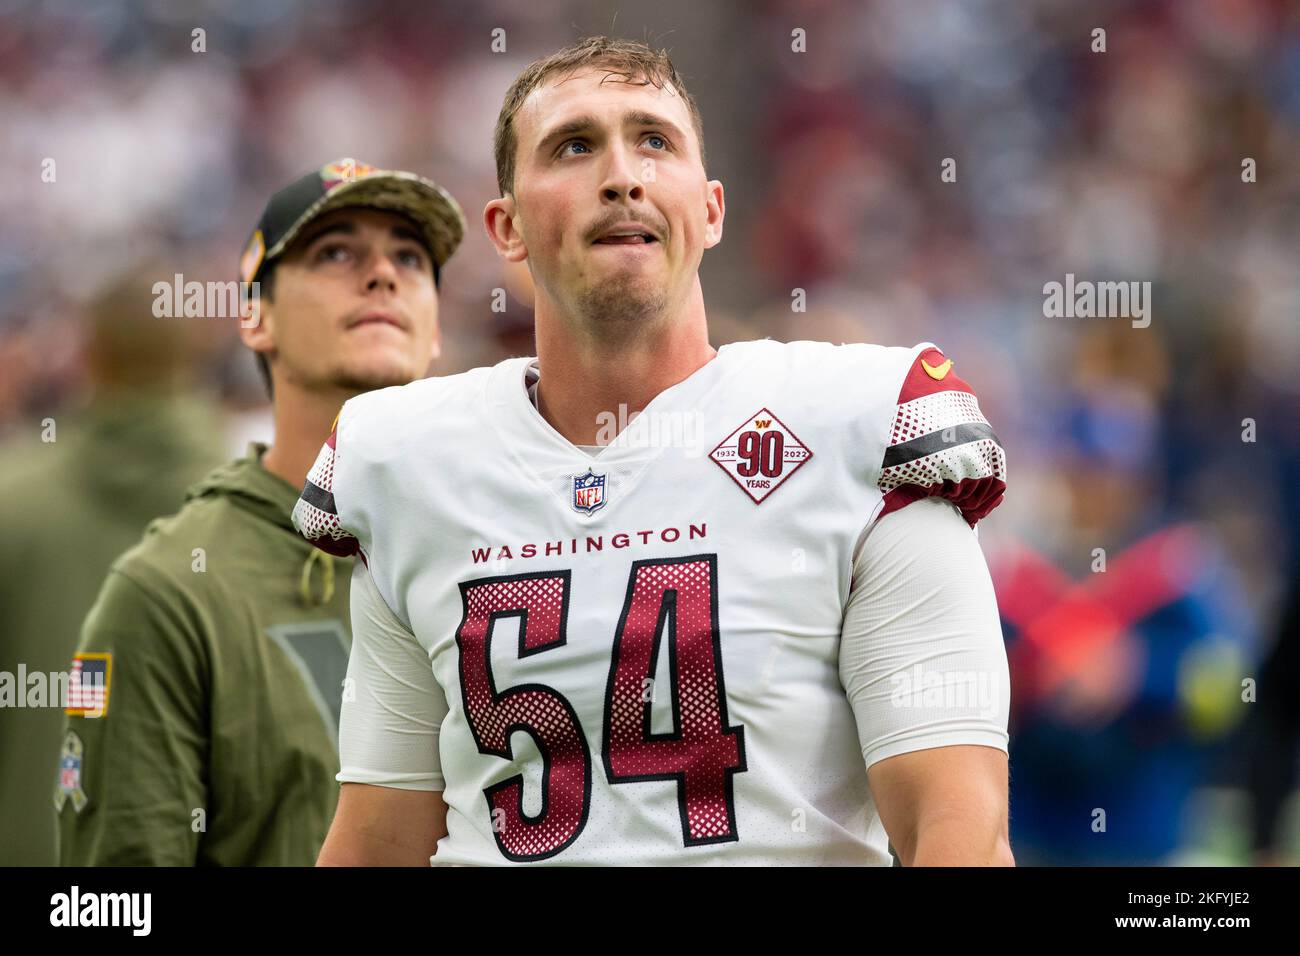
(72, 498)
(221, 639)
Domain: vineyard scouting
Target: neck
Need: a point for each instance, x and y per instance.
(302, 424)
(583, 377)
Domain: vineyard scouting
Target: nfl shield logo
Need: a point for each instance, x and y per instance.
(588, 492)
(69, 773)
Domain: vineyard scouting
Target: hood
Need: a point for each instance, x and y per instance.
(269, 497)
(251, 487)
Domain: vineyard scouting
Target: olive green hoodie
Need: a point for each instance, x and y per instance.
(227, 637)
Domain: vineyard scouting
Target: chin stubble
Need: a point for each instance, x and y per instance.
(353, 382)
(620, 306)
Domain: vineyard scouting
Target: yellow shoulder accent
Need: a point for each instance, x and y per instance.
(936, 372)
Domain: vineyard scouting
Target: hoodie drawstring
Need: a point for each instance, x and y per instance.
(305, 593)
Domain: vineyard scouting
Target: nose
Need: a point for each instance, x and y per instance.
(380, 272)
(622, 182)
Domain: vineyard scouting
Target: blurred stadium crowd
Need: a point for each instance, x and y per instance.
(1122, 165)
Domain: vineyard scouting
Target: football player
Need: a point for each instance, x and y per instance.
(217, 645)
(780, 646)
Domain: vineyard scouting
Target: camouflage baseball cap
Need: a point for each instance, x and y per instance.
(345, 183)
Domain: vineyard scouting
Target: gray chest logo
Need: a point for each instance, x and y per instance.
(320, 651)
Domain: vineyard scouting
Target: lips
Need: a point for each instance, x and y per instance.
(622, 240)
(377, 318)
(626, 233)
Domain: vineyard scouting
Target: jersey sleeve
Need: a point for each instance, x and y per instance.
(132, 777)
(940, 444)
(922, 658)
(316, 515)
(393, 707)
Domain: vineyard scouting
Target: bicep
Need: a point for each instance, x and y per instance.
(924, 668)
(391, 810)
(384, 826)
(393, 709)
(921, 657)
(962, 785)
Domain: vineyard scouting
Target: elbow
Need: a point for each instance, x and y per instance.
(1002, 855)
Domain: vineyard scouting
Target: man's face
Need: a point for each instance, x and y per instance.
(354, 305)
(611, 207)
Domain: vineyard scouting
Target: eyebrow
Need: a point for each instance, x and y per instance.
(406, 232)
(322, 231)
(586, 123)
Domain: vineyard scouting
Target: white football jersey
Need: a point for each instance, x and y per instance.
(633, 655)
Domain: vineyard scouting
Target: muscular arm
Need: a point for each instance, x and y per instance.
(924, 667)
(384, 826)
(391, 811)
(946, 806)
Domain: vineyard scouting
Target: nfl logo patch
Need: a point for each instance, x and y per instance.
(588, 492)
(70, 764)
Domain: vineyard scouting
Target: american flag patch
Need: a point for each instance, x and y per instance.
(88, 685)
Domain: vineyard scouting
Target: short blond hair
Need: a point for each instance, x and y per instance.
(630, 61)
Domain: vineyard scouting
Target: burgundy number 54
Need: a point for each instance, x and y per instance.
(702, 753)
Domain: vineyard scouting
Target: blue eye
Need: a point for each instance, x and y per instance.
(412, 258)
(660, 139)
(573, 142)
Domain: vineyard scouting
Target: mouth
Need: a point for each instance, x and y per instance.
(376, 318)
(638, 238)
(626, 234)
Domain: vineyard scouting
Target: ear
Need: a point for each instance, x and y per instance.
(501, 219)
(715, 211)
(257, 325)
